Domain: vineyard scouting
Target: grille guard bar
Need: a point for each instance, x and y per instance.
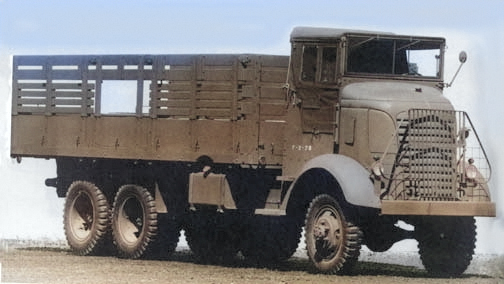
(435, 147)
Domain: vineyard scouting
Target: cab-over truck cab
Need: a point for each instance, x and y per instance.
(374, 102)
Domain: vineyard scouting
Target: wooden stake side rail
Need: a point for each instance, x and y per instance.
(179, 86)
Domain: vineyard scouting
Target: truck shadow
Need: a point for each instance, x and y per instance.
(297, 264)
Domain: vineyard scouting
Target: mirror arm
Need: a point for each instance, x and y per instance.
(447, 85)
(462, 59)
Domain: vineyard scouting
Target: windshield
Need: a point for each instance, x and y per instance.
(394, 56)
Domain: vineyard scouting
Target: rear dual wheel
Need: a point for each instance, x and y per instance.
(91, 229)
(86, 219)
(134, 221)
(138, 230)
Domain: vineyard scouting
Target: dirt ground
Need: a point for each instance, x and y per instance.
(58, 265)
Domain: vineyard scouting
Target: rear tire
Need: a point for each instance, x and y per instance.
(86, 218)
(134, 221)
(333, 244)
(446, 244)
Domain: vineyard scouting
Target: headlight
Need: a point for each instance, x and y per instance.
(464, 133)
(471, 171)
(377, 169)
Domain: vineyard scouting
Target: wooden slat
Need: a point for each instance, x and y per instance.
(218, 60)
(32, 94)
(176, 86)
(216, 86)
(65, 74)
(73, 94)
(205, 95)
(248, 74)
(272, 109)
(31, 109)
(274, 61)
(179, 75)
(31, 86)
(273, 75)
(273, 92)
(73, 86)
(174, 103)
(217, 104)
(174, 112)
(213, 113)
(216, 74)
(203, 86)
(53, 110)
(54, 86)
(30, 75)
(31, 101)
(58, 102)
(76, 110)
(172, 95)
(42, 94)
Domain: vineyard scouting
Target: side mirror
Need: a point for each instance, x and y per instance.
(462, 59)
(462, 56)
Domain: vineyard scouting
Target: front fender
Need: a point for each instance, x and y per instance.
(352, 177)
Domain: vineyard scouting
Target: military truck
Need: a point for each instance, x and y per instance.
(349, 138)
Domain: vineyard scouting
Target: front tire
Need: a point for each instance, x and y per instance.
(86, 218)
(134, 221)
(333, 244)
(446, 244)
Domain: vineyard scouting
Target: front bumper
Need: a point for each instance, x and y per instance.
(438, 208)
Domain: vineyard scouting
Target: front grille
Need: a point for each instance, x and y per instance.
(434, 149)
(430, 154)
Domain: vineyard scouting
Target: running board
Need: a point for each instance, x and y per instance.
(270, 212)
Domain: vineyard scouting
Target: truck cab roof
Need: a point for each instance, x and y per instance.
(321, 33)
(299, 33)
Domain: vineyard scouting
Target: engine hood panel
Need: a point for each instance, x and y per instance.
(393, 97)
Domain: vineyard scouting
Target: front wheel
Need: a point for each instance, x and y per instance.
(134, 221)
(446, 244)
(333, 244)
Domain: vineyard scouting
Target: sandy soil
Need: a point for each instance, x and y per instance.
(57, 265)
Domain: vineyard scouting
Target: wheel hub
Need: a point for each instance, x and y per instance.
(131, 220)
(327, 234)
(81, 216)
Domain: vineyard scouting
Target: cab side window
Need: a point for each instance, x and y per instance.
(328, 70)
(309, 63)
(319, 64)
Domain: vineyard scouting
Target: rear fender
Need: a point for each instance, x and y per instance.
(352, 177)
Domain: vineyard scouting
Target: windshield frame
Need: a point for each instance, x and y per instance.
(407, 43)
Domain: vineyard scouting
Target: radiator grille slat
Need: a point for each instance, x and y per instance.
(429, 138)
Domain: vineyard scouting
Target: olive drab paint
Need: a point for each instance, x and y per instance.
(354, 121)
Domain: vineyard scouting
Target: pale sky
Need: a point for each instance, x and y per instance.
(29, 209)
